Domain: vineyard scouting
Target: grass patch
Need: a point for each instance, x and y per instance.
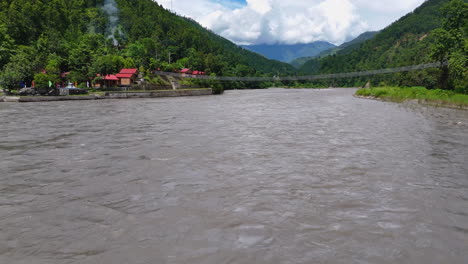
(423, 95)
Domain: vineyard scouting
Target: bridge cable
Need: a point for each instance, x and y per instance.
(307, 77)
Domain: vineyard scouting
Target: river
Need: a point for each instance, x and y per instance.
(257, 176)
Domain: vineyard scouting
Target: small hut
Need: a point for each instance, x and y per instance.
(111, 80)
(127, 76)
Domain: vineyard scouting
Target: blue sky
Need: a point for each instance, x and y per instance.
(292, 22)
(239, 2)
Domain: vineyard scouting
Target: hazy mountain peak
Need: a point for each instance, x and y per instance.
(288, 53)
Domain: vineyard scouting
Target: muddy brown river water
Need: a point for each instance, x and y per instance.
(260, 176)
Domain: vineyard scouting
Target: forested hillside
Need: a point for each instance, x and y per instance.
(86, 37)
(411, 40)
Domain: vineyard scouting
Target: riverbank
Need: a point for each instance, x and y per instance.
(422, 95)
(304, 86)
(110, 95)
(159, 93)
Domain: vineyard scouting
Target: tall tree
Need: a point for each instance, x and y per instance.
(451, 45)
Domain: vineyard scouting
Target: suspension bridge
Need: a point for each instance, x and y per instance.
(307, 77)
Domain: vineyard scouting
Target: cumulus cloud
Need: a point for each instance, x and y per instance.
(291, 22)
(380, 14)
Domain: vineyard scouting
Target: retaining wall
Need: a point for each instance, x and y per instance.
(154, 94)
(30, 99)
(109, 95)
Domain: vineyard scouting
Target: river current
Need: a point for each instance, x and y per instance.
(248, 177)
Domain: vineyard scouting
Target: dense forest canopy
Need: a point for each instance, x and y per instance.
(85, 37)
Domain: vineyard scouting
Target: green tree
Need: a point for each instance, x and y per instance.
(54, 64)
(450, 45)
(10, 78)
(20, 68)
(6, 46)
(44, 82)
(109, 64)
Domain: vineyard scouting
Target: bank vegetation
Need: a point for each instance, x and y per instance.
(422, 95)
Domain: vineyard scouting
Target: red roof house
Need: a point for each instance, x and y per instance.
(127, 76)
(111, 80)
(198, 73)
(111, 77)
(186, 70)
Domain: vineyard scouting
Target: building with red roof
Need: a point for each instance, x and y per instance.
(127, 76)
(111, 80)
(111, 77)
(186, 70)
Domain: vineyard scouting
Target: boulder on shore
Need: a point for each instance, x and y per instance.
(27, 92)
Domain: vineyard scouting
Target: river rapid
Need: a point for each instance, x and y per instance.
(249, 177)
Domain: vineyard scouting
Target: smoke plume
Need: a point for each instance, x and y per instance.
(112, 11)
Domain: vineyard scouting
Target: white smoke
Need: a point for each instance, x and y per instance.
(112, 12)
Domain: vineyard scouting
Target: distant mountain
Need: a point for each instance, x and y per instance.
(288, 53)
(350, 45)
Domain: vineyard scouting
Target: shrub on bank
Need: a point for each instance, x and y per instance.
(399, 94)
(217, 88)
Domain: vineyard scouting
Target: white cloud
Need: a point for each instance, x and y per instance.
(389, 5)
(290, 22)
(380, 14)
(193, 8)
